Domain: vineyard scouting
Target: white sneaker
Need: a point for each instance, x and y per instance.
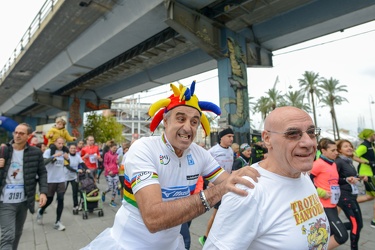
(59, 226)
(39, 217)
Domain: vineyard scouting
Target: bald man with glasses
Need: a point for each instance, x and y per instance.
(20, 163)
(283, 211)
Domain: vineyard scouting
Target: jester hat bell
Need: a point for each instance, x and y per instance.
(182, 96)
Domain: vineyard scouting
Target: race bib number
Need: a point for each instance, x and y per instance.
(14, 193)
(59, 161)
(335, 194)
(92, 158)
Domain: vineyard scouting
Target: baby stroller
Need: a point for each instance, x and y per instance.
(90, 198)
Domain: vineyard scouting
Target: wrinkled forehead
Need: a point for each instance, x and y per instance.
(60, 140)
(21, 128)
(289, 119)
(185, 110)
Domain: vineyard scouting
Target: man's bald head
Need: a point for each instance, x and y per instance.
(291, 145)
(282, 115)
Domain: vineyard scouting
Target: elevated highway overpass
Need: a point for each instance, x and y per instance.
(105, 49)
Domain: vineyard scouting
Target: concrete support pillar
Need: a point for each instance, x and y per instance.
(233, 86)
(75, 117)
(32, 121)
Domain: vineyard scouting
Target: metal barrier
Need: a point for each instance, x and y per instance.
(46, 9)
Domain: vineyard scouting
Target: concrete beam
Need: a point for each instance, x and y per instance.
(257, 56)
(200, 30)
(55, 101)
(206, 34)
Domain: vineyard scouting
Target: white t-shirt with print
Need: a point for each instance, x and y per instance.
(13, 191)
(55, 170)
(279, 213)
(75, 160)
(151, 160)
(224, 156)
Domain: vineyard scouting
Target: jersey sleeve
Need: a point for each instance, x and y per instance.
(361, 150)
(212, 169)
(140, 169)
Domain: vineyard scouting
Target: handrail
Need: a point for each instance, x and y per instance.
(46, 9)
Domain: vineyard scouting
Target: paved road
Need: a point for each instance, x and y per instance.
(80, 232)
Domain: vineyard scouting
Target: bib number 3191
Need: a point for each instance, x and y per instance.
(14, 193)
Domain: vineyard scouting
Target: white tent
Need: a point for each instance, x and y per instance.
(329, 134)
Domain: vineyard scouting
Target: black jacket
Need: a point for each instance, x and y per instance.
(345, 169)
(33, 166)
(240, 162)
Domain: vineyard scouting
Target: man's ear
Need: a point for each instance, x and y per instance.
(165, 122)
(266, 139)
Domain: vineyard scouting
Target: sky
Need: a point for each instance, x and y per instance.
(347, 56)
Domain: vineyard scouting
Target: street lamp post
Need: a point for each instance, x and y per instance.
(371, 101)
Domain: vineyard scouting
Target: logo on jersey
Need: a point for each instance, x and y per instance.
(164, 159)
(175, 192)
(143, 176)
(192, 177)
(190, 160)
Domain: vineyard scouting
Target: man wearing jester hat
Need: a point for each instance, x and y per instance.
(161, 173)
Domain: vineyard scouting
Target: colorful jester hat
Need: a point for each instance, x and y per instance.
(182, 96)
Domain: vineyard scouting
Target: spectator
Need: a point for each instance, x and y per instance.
(33, 139)
(236, 150)
(244, 158)
(258, 151)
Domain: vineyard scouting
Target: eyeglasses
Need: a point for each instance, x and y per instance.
(296, 134)
(19, 133)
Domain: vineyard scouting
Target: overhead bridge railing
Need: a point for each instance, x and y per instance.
(46, 9)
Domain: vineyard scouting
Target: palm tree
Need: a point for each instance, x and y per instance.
(332, 88)
(262, 106)
(309, 84)
(251, 105)
(296, 99)
(274, 96)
